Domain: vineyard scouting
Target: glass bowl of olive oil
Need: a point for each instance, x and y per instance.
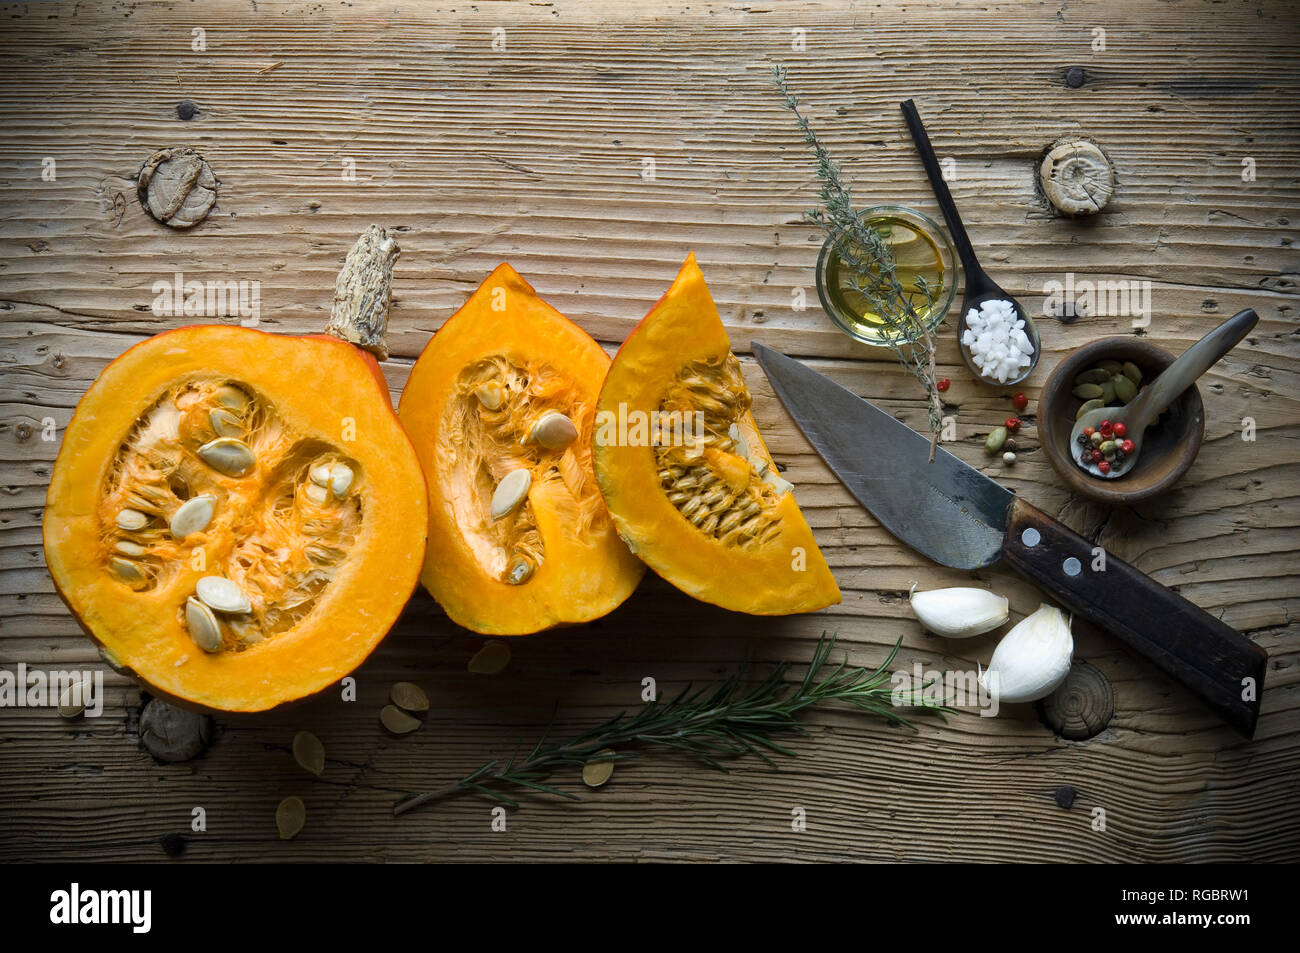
(920, 250)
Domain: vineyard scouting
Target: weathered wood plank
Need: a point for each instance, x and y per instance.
(536, 154)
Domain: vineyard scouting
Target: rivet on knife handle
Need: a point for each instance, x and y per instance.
(1221, 666)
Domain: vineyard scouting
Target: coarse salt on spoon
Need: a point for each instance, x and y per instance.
(980, 288)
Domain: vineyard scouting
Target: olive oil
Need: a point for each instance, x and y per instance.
(916, 255)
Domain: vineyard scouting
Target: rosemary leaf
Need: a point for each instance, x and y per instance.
(711, 725)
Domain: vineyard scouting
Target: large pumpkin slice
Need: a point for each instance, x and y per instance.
(236, 517)
(685, 473)
(500, 408)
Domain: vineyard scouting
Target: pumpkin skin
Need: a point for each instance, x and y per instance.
(679, 351)
(309, 393)
(505, 332)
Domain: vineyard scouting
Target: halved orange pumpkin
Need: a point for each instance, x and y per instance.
(196, 456)
(685, 473)
(500, 407)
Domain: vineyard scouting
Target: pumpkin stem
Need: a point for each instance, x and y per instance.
(364, 291)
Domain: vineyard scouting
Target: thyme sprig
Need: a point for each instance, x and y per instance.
(733, 719)
(873, 269)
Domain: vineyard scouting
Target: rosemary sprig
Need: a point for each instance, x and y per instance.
(732, 719)
(871, 263)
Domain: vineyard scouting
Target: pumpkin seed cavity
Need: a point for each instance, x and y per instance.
(510, 431)
(713, 478)
(211, 466)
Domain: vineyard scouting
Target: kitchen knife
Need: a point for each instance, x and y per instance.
(949, 511)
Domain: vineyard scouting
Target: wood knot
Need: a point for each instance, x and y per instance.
(177, 187)
(173, 734)
(1082, 706)
(1075, 77)
(1076, 177)
(186, 110)
(23, 431)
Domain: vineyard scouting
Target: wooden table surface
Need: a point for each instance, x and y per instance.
(536, 151)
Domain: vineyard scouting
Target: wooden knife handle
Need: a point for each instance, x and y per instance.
(1219, 664)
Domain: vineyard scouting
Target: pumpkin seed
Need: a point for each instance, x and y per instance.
(222, 594)
(779, 484)
(128, 548)
(397, 721)
(1125, 389)
(596, 772)
(232, 398)
(316, 493)
(309, 752)
(205, 631)
(72, 700)
(1089, 405)
(340, 479)
(490, 394)
(738, 438)
(409, 697)
(554, 431)
(490, 659)
(131, 520)
(1108, 392)
(511, 492)
(225, 423)
(290, 816)
(228, 455)
(129, 572)
(1088, 391)
(1095, 375)
(1132, 372)
(320, 474)
(521, 570)
(193, 516)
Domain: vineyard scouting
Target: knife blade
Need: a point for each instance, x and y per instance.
(958, 517)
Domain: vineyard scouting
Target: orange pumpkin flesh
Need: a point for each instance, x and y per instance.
(706, 508)
(326, 574)
(491, 373)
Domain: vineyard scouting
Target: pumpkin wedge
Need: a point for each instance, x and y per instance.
(685, 473)
(236, 517)
(500, 407)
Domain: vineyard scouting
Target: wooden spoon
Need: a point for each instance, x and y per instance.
(1141, 411)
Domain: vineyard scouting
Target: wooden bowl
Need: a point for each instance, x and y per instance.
(1170, 444)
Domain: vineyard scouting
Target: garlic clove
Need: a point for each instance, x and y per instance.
(960, 612)
(1032, 659)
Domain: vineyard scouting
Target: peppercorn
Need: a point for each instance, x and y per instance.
(1104, 467)
(942, 384)
(1010, 445)
(1008, 458)
(1020, 401)
(1120, 429)
(1097, 456)
(1126, 446)
(1083, 439)
(1013, 424)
